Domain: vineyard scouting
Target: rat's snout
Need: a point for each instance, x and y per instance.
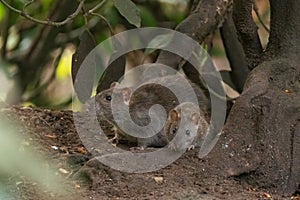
(182, 140)
(98, 107)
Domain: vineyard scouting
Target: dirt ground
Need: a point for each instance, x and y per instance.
(53, 134)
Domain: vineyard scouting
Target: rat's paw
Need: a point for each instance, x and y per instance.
(141, 148)
(191, 147)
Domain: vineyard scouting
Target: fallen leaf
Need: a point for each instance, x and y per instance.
(51, 136)
(54, 147)
(63, 171)
(159, 179)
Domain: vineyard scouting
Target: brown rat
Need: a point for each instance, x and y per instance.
(186, 127)
(141, 100)
(103, 109)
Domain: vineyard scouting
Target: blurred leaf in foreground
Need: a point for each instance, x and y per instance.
(17, 159)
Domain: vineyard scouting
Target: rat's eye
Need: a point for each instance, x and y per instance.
(174, 131)
(108, 98)
(187, 132)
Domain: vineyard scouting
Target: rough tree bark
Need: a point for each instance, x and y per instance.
(235, 54)
(207, 17)
(261, 139)
(247, 31)
(260, 142)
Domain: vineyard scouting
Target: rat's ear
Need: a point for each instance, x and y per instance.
(195, 118)
(174, 115)
(126, 92)
(114, 84)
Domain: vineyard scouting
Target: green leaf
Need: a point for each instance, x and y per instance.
(129, 10)
(159, 42)
(84, 89)
(2, 12)
(147, 16)
(46, 4)
(63, 69)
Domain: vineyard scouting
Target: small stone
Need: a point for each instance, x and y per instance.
(159, 179)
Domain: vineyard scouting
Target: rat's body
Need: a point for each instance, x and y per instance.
(186, 127)
(141, 100)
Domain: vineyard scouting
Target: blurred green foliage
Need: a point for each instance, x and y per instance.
(147, 17)
(37, 56)
(63, 70)
(2, 12)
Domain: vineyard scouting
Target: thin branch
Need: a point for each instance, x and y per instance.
(40, 88)
(87, 13)
(45, 22)
(255, 8)
(27, 4)
(84, 16)
(105, 20)
(97, 7)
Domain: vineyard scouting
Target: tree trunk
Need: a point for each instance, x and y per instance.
(261, 139)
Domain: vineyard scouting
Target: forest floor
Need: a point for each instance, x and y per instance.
(53, 135)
